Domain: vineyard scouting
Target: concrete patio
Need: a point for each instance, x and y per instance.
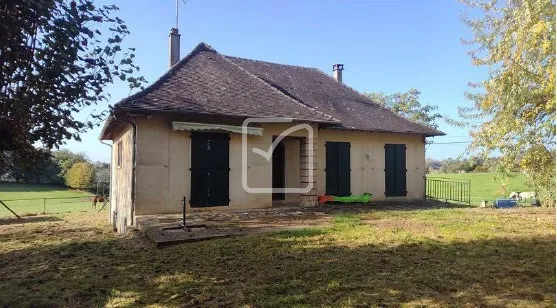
(162, 229)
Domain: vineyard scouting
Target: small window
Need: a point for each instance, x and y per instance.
(119, 158)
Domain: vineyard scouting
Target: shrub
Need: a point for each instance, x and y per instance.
(81, 175)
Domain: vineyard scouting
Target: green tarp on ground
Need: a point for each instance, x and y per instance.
(365, 198)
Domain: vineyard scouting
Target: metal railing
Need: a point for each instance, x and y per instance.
(448, 190)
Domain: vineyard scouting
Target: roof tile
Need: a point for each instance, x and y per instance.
(206, 82)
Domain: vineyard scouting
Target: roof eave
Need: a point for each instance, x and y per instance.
(177, 112)
(105, 130)
(426, 134)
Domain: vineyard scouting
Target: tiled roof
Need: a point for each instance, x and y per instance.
(320, 91)
(206, 82)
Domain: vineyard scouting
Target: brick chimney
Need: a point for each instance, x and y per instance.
(174, 46)
(337, 72)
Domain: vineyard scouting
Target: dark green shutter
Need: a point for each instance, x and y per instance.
(390, 170)
(343, 169)
(331, 166)
(200, 151)
(395, 170)
(209, 169)
(400, 167)
(219, 192)
(337, 172)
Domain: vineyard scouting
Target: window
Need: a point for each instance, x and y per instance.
(119, 157)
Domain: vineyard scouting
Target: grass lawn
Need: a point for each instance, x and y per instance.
(377, 257)
(484, 186)
(28, 199)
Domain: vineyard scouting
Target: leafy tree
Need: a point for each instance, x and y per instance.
(66, 159)
(56, 57)
(40, 166)
(408, 105)
(516, 41)
(45, 170)
(102, 171)
(80, 176)
(450, 165)
(475, 163)
(37, 167)
(432, 165)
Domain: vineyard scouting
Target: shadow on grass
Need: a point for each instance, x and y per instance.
(387, 205)
(27, 219)
(304, 232)
(277, 270)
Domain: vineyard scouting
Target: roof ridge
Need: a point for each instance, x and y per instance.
(200, 47)
(269, 62)
(377, 104)
(275, 88)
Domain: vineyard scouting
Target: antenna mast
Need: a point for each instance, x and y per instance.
(176, 14)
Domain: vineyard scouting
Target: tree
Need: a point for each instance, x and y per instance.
(37, 167)
(476, 164)
(80, 176)
(55, 60)
(432, 165)
(41, 166)
(66, 159)
(102, 171)
(516, 41)
(408, 105)
(44, 169)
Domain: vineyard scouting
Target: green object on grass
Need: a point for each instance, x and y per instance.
(365, 198)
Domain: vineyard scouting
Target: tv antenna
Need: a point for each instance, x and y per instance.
(184, 1)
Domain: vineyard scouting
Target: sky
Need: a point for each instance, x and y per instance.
(385, 45)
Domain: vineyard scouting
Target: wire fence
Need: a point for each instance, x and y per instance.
(52, 205)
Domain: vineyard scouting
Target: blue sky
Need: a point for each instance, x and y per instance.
(385, 45)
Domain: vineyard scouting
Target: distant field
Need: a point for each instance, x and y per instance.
(26, 199)
(484, 186)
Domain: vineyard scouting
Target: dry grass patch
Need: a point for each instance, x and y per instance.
(376, 257)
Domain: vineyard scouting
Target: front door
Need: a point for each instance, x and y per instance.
(278, 170)
(337, 168)
(395, 170)
(209, 169)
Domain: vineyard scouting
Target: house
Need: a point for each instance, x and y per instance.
(182, 137)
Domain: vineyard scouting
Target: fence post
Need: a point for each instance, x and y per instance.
(469, 192)
(44, 205)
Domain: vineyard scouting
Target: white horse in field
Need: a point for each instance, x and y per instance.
(514, 195)
(526, 195)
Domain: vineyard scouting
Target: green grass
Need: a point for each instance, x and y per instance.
(377, 257)
(59, 199)
(485, 186)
